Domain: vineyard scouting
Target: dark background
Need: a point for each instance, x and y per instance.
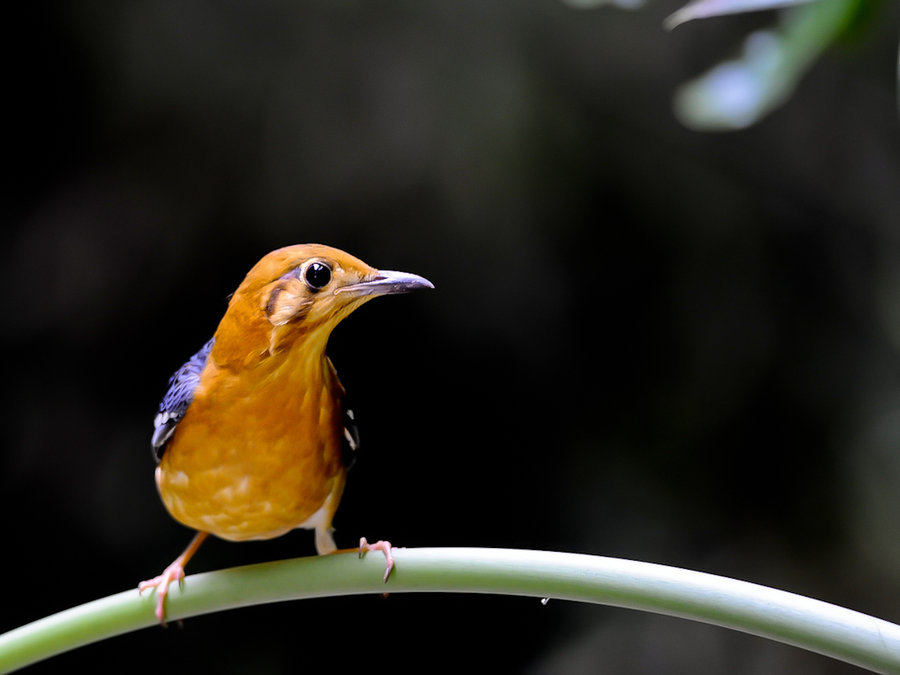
(644, 341)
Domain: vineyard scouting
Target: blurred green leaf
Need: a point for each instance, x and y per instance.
(738, 93)
(703, 9)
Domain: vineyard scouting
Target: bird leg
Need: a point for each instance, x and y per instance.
(174, 572)
(383, 546)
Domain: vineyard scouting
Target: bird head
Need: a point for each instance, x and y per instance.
(300, 293)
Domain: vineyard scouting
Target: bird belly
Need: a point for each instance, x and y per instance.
(248, 508)
(255, 480)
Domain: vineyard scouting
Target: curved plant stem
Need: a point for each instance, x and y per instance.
(817, 626)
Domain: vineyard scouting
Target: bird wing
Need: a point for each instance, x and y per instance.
(177, 399)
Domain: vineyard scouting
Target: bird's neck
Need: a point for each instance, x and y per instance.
(300, 367)
(304, 360)
(247, 340)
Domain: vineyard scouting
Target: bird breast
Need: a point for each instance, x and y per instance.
(255, 456)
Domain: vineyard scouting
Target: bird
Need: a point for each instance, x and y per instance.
(254, 436)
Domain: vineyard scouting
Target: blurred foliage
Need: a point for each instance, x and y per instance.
(739, 93)
(704, 9)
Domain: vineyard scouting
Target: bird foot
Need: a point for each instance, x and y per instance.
(383, 546)
(174, 572)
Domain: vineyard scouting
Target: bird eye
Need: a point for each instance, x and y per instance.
(317, 275)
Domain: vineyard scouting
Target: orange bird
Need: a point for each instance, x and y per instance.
(253, 437)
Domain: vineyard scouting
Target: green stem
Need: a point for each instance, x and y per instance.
(818, 626)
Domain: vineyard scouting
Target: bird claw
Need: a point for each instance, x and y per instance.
(383, 546)
(174, 572)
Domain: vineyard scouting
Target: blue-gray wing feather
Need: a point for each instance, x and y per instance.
(177, 399)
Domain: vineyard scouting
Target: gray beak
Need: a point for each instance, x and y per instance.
(387, 282)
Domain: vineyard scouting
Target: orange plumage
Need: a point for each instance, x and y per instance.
(254, 435)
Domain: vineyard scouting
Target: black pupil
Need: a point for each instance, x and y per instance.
(317, 275)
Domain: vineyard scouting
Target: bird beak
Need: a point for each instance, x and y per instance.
(387, 282)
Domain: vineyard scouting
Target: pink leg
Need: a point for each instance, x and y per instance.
(174, 572)
(383, 546)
